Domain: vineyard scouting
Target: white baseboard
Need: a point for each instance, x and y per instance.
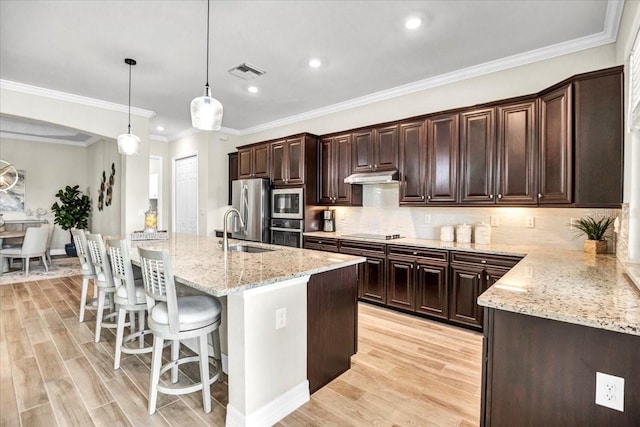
(273, 411)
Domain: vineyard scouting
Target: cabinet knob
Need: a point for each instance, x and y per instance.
(483, 261)
(539, 195)
(491, 196)
(370, 167)
(487, 277)
(375, 166)
(415, 253)
(422, 197)
(499, 196)
(478, 275)
(428, 197)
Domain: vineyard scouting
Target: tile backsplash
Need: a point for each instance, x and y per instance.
(380, 213)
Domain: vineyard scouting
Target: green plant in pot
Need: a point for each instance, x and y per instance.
(71, 212)
(595, 231)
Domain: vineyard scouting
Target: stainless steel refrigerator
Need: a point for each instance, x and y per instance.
(251, 198)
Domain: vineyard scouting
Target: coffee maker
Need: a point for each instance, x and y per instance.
(329, 220)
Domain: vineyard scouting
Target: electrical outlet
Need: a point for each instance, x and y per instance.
(495, 220)
(427, 219)
(281, 318)
(572, 225)
(610, 391)
(530, 222)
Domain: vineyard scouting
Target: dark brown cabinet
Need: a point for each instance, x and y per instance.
(442, 154)
(477, 152)
(417, 280)
(288, 161)
(321, 244)
(375, 149)
(599, 131)
(517, 154)
(253, 162)
(233, 172)
(412, 163)
(556, 162)
(335, 166)
(372, 273)
(471, 275)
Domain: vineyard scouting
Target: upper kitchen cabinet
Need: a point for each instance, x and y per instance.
(477, 152)
(598, 139)
(289, 162)
(253, 161)
(517, 153)
(555, 147)
(335, 165)
(375, 149)
(429, 161)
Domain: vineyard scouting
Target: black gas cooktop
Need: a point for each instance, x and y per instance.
(373, 236)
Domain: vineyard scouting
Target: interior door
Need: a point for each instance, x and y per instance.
(186, 195)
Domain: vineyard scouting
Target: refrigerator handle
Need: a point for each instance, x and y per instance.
(244, 207)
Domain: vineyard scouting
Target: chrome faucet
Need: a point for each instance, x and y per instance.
(225, 239)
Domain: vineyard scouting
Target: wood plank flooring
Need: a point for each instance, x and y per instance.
(408, 372)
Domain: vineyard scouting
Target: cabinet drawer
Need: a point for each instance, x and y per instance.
(353, 247)
(321, 244)
(507, 261)
(415, 252)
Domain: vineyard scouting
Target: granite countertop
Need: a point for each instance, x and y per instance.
(199, 262)
(569, 286)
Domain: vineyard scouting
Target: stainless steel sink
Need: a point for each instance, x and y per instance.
(248, 249)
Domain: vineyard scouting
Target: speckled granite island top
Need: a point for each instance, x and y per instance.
(563, 285)
(199, 262)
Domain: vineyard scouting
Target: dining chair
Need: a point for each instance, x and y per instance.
(130, 299)
(34, 245)
(178, 318)
(88, 271)
(50, 228)
(104, 283)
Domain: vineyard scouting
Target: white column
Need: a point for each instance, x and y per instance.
(634, 198)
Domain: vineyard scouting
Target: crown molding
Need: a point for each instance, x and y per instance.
(192, 131)
(35, 138)
(608, 35)
(159, 138)
(77, 99)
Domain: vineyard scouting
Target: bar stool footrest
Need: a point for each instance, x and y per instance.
(181, 389)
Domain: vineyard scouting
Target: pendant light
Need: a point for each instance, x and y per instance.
(128, 143)
(206, 112)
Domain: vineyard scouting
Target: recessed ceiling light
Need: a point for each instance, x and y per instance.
(160, 128)
(315, 63)
(252, 89)
(412, 23)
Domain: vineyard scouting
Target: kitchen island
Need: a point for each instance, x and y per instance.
(280, 309)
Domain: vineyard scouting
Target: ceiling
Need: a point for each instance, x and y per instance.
(78, 47)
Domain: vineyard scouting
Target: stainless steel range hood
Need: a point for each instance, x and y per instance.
(386, 177)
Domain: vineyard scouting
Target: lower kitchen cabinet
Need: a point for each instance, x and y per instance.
(372, 273)
(432, 289)
(321, 244)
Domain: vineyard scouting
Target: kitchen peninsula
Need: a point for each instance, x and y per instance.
(271, 366)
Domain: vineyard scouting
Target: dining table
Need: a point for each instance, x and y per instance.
(9, 234)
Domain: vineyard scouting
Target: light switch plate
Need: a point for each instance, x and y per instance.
(531, 222)
(495, 220)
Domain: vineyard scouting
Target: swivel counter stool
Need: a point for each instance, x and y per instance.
(104, 282)
(178, 318)
(88, 271)
(130, 299)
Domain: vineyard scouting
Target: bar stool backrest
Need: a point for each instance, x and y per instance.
(157, 274)
(99, 258)
(82, 250)
(121, 267)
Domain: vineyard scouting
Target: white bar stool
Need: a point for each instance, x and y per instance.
(178, 318)
(88, 271)
(130, 299)
(104, 282)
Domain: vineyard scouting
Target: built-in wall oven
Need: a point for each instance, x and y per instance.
(287, 232)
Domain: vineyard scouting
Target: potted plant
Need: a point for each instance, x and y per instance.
(594, 230)
(72, 212)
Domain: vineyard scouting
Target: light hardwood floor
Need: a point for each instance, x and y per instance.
(408, 371)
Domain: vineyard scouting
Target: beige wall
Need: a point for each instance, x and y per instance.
(48, 168)
(99, 157)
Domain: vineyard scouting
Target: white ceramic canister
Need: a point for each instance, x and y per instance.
(446, 233)
(483, 234)
(463, 233)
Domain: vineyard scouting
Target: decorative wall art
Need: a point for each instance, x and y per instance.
(13, 199)
(105, 192)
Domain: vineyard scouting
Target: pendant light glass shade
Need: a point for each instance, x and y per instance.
(206, 112)
(128, 143)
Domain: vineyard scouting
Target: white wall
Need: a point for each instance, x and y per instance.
(48, 168)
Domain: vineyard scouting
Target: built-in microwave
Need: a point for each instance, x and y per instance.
(287, 203)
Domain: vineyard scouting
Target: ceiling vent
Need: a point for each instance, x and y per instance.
(246, 71)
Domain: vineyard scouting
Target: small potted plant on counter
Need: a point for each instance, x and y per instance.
(594, 230)
(72, 212)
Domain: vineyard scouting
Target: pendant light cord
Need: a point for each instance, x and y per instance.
(129, 126)
(208, 5)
